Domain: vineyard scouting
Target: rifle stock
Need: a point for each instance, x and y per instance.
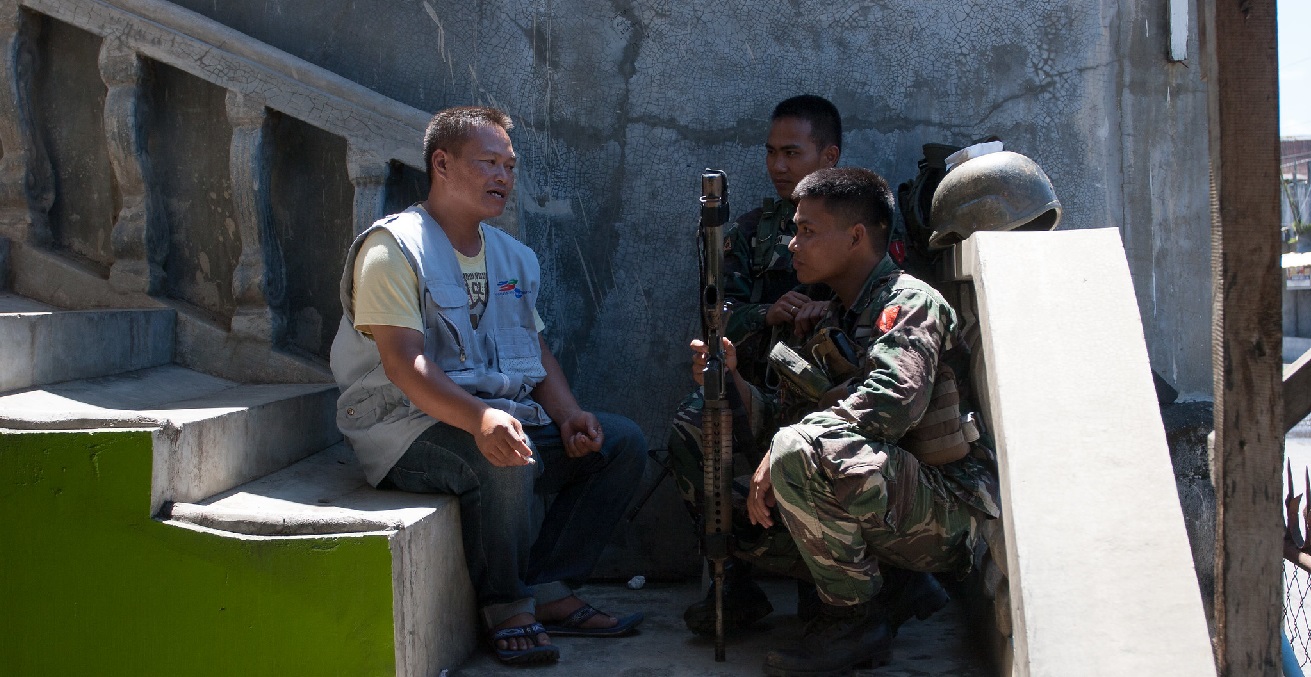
(717, 416)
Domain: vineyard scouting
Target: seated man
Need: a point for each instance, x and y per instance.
(879, 471)
(448, 387)
(805, 134)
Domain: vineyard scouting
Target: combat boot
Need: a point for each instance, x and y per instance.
(744, 602)
(908, 593)
(838, 639)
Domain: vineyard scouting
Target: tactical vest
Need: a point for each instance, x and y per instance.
(943, 434)
(828, 358)
(500, 362)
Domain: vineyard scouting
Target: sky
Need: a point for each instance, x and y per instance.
(1294, 67)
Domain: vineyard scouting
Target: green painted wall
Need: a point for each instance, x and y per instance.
(91, 585)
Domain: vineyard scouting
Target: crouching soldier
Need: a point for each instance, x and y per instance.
(882, 470)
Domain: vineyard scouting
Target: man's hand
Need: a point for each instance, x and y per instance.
(699, 359)
(582, 434)
(784, 310)
(761, 498)
(502, 440)
(808, 317)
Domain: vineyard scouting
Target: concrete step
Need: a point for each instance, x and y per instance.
(45, 345)
(326, 495)
(210, 434)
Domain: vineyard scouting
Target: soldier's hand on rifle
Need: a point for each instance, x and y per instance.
(699, 359)
(582, 434)
(808, 317)
(502, 440)
(784, 310)
(761, 499)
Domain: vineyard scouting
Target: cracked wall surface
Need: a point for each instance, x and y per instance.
(620, 104)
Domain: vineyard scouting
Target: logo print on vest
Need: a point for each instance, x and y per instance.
(509, 287)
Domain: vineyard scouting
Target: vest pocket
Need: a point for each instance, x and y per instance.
(445, 314)
(359, 412)
(519, 353)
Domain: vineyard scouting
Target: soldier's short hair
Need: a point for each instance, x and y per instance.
(825, 122)
(449, 128)
(853, 194)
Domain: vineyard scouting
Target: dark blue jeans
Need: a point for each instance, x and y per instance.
(513, 563)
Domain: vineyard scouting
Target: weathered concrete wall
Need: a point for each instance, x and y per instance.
(189, 138)
(1187, 425)
(619, 105)
(312, 213)
(70, 99)
(1159, 192)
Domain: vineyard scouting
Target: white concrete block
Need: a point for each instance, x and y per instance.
(433, 603)
(53, 346)
(1100, 571)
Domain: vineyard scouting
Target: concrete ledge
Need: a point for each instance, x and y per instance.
(47, 277)
(326, 495)
(323, 494)
(233, 60)
(210, 434)
(13, 303)
(1100, 573)
(43, 347)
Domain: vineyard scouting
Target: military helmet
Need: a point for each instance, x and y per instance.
(997, 191)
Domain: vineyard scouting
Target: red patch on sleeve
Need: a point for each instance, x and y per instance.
(888, 318)
(728, 245)
(898, 251)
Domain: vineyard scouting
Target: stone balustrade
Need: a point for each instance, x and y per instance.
(238, 245)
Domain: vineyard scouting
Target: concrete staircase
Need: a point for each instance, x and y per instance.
(250, 473)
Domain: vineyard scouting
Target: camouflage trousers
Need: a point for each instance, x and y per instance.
(850, 503)
(771, 549)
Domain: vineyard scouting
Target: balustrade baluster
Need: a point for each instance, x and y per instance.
(27, 184)
(140, 235)
(369, 174)
(259, 282)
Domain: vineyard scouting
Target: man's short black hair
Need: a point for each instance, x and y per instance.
(854, 195)
(449, 128)
(825, 122)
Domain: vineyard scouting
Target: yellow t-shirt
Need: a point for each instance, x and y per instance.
(387, 291)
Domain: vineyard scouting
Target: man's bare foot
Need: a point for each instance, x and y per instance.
(520, 643)
(560, 609)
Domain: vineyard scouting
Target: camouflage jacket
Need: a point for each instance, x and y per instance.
(757, 272)
(903, 328)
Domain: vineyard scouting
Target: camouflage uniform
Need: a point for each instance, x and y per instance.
(847, 492)
(757, 272)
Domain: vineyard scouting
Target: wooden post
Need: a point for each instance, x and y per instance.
(1243, 81)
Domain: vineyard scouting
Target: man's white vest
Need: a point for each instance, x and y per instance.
(499, 362)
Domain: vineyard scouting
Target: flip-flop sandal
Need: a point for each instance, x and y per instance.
(538, 653)
(573, 625)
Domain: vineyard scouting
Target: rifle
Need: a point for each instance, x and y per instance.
(717, 415)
